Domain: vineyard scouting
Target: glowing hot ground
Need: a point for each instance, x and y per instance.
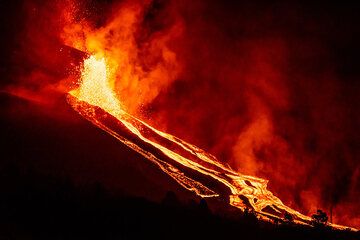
(193, 168)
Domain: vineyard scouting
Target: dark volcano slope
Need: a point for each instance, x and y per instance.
(63, 178)
(56, 141)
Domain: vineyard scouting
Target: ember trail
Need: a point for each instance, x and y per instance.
(193, 168)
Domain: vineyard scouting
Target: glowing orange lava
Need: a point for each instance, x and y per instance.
(193, 168)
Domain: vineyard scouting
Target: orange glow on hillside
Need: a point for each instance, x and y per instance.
(177, 156)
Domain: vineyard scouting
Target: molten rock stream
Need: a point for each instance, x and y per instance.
(193, 168)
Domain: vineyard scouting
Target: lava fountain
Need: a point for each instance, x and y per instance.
(193, 168)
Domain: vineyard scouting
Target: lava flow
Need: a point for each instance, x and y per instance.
(193, 168)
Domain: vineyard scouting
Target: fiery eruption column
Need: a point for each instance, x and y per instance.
(193, 168)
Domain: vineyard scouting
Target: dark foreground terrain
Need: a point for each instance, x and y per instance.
(41, 207)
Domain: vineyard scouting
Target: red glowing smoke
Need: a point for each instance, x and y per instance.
(268, 88)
